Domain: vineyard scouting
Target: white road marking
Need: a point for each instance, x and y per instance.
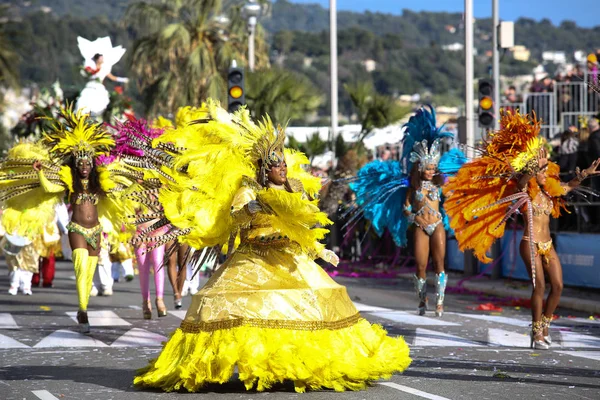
(7, 321)
(101, 318)
(137, 337)
(500, 337)
(412, 318)
(425, 337)
(10, 343)
(178, 313)
(497, 319)
(44, 395)
(569, 321)
(592, 355)
(570, 339)
(410, 390)
(66, 338)
(366, 308)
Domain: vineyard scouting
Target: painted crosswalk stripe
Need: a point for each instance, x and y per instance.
(366, 308)
(10, 343)
(179, 313)
(592, 355)
(415, 392)
(137, 337)
(101, 318)
(570, 321)
(497, 319)
(67, 338)
(425, 337)
(576, 340)
(412, 319)
(7, 321)
(501, 337)
(44, 395)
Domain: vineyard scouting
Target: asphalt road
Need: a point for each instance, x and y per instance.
(466, 354)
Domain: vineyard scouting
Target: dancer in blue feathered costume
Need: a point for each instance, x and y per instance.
(396, 194)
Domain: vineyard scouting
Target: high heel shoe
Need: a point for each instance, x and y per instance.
(147, 309)
(546, 325)
(421, 290)
(177, 301)
(441, 280)
(439, 310)
(161, 309)
(423, 305)
(536, 332)
(82, 320)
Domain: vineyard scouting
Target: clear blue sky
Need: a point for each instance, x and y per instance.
(584, 12)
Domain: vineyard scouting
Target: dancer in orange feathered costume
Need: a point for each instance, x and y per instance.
(514, 175)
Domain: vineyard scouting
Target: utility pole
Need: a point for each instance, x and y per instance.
(496, 62)
(470, 262)
(469, 78)
(334, 77)
(251, 11)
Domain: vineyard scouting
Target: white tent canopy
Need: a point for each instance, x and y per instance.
(387, 135)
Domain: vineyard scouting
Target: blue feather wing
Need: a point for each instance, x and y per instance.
(449, 165)
(380, 190)
(451, 161)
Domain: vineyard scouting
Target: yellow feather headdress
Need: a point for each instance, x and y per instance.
(74, 135)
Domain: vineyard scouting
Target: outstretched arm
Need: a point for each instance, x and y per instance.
(117, 78)
(45, 182)
(582, 175)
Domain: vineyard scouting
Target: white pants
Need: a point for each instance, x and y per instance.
(191, 284)
(103, 277)
(123, 268)
(20, 279)
(65, 247)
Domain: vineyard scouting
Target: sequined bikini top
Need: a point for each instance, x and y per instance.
(543, 207)
(89, 197)
(428, 189)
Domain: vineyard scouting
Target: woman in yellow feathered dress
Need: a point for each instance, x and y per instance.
(514, 175)
(269, 310)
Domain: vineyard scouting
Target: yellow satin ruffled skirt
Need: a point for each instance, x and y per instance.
(278, 317)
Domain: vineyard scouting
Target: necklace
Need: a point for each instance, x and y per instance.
(85, 183)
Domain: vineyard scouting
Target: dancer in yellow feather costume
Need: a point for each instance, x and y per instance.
(270, 310)
(514, 175)
(36, 176)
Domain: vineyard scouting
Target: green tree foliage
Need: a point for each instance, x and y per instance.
(281, 94)
(47, 47)
(183, 50)
(373, 109)
(9, 59)
(407, 48)
(313, 146)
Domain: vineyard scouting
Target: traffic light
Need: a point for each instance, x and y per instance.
(236, 95)
(485, 111)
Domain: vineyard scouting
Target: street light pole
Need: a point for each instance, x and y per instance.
(251, 11)
(470, 262)
(469, 78)
(496, 62)
(334, 76)
(252, 29)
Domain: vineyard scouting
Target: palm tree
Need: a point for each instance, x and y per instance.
(184, 48)
(373, 109)
(283, 95)
(9, 60)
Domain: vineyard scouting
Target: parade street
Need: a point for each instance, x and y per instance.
(466, 354)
